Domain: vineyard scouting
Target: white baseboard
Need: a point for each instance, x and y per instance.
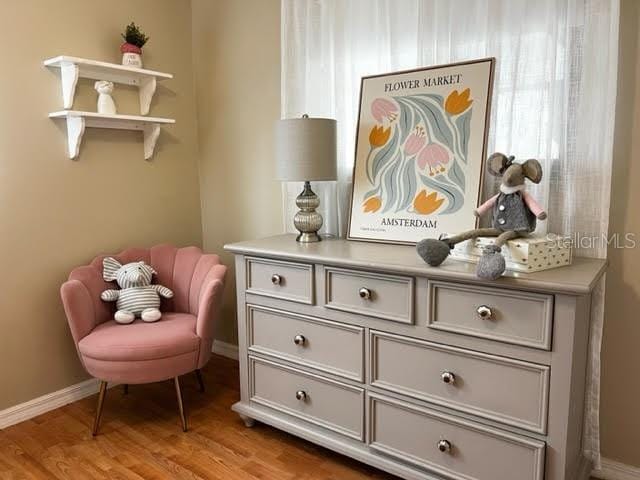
(225, 349)
(612, 470)
(48, 402)
(45, 403)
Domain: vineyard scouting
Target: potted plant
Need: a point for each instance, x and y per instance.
(134, 40)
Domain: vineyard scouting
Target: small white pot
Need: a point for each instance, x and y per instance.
(132, 60)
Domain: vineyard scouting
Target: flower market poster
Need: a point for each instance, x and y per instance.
(420, 151)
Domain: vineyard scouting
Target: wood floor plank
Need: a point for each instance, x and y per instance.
(140, 438)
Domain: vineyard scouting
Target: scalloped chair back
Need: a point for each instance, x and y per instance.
(147, 352)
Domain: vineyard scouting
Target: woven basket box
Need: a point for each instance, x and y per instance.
(528, 254)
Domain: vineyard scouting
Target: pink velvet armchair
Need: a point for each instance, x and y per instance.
(179, 343)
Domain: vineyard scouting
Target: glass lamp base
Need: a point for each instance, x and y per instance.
(307, 221)
(308, 237)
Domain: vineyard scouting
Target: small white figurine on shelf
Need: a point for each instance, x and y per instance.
(105, 102)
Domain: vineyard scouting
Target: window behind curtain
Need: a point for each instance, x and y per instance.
(554, 97)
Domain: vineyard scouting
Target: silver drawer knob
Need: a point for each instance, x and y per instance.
(444, 446)
(299, 340)
(276, 279)
(365, 293)
(448, 378)
(301, 395)
(484, 312)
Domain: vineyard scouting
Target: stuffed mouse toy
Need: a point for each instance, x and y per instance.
(136, 297)
(514, 215)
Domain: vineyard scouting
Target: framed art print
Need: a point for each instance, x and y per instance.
(420, 150)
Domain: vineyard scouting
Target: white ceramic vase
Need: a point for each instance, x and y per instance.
(132, 60)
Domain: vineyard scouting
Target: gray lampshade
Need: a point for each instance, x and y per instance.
(306, 149)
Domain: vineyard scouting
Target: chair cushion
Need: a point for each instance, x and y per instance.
(174, 334)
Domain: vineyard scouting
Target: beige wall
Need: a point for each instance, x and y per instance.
(56, 213)
(620, 408)
(237, 69)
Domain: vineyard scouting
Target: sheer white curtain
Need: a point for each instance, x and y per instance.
(553, 100)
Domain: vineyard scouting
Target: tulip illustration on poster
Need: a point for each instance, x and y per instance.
(420, 151)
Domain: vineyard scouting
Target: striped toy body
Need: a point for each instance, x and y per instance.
(137, 299)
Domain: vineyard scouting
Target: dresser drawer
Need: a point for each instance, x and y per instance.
(329, 346)
(275, 278)
(318, 400)
(451, 447)
(497, 388)
(378, 295)
(521, 318)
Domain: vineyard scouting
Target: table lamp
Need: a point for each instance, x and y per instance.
(306, 151)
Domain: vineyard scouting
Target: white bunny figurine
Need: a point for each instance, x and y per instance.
(105, 102)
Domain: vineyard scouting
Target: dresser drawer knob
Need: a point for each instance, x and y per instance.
(484, 312)
(365, 293)
(301, 395)
(448, 378)
(276, 279)
(299, 340)
(444, 446)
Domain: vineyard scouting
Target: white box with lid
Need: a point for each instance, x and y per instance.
(526, 254)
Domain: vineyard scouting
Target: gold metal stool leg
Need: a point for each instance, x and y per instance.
(180, 404)
(101, 395)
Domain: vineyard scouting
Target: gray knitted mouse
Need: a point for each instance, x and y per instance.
(514, 215)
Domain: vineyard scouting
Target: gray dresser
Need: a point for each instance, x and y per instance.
(426, 373)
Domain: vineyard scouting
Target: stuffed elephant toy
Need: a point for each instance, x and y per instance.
(514, 215)
(137, 298)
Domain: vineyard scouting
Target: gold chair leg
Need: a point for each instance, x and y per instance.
(200, 380)
(101, 395)
(180, 404)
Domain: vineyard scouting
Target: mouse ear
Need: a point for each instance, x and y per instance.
(532, 170)
(110, 268)
(496, 163)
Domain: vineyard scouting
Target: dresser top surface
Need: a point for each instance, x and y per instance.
(578, 278)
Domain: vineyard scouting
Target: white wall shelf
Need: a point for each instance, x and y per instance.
(77, 121)
(72, 68)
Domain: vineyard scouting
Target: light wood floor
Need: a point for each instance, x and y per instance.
(141, 438)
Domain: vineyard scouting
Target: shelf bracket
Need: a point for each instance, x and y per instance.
(69, 80)
(75, 130)
(151, 134)
(146, 89)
